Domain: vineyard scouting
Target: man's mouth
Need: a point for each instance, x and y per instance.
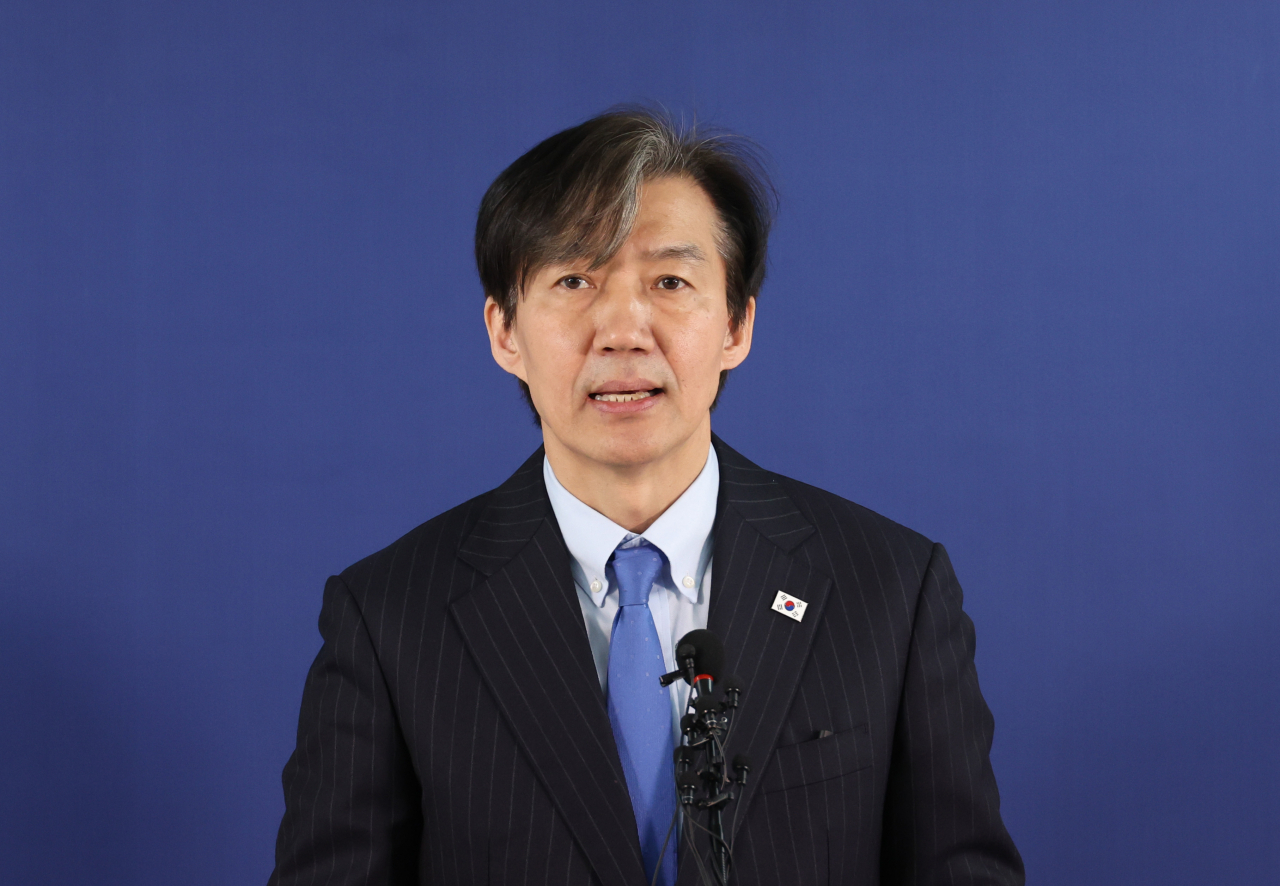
(625, 396)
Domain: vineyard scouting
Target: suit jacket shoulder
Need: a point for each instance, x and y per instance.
(414, 553)
(850, 543)
(821, 505)
(426, 558)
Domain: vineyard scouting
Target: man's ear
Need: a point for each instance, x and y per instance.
(502, 339)
(737, 342)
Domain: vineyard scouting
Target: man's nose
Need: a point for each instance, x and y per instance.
(622, 318)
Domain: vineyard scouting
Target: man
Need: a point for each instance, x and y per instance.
(485, 707)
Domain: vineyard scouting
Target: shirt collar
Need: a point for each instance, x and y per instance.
(682, 532)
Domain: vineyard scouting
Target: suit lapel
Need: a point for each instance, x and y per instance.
(524, 629)
(757, 529)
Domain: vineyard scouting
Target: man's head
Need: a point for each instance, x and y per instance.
(621, 260)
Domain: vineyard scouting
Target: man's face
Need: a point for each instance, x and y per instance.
(623, 361)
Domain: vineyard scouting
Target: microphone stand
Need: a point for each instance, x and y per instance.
(715, 723)
(705, 728)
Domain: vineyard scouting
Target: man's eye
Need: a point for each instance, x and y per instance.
(572, 282)
(670, 283)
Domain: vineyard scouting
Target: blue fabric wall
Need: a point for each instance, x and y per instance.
(1023, 298)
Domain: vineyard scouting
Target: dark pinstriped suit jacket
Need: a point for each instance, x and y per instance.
(453, 730)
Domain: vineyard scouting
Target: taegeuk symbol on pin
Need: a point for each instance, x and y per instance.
(791, 607)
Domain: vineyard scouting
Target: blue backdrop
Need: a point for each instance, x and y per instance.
(1023, 298)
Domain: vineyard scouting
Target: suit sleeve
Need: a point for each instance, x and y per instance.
(942, 809)
(352, 801)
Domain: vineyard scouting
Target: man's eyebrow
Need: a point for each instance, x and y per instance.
(689, 252)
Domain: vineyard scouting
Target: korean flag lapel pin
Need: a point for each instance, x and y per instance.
(791, 607)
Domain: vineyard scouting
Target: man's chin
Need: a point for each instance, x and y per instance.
(634, 450)
(624, 448)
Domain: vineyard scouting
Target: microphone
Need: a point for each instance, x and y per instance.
(700, 657)
(731, 687)
(687, 784)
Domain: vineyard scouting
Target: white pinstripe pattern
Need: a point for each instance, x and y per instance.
(453, 730)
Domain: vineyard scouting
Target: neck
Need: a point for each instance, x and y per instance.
(631, 495)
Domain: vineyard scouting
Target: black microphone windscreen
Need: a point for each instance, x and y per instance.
(741, 761)
(709, 658)
(687, 779)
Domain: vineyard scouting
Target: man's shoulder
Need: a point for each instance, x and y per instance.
(851, 542)
(429, 554)
(828, 508)
(422, 549)
(828, 512)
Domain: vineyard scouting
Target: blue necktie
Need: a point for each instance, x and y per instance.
(640, 708)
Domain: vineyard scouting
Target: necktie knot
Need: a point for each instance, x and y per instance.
(636, 569)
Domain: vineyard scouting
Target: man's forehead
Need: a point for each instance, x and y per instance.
(686, 252)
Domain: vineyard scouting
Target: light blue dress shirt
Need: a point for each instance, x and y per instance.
(681, 594)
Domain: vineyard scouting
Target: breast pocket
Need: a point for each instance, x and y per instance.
(818, 760)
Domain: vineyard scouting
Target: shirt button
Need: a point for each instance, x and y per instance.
(595, 585)
(688, 581)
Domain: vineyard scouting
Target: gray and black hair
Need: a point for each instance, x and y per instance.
(575, 196)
